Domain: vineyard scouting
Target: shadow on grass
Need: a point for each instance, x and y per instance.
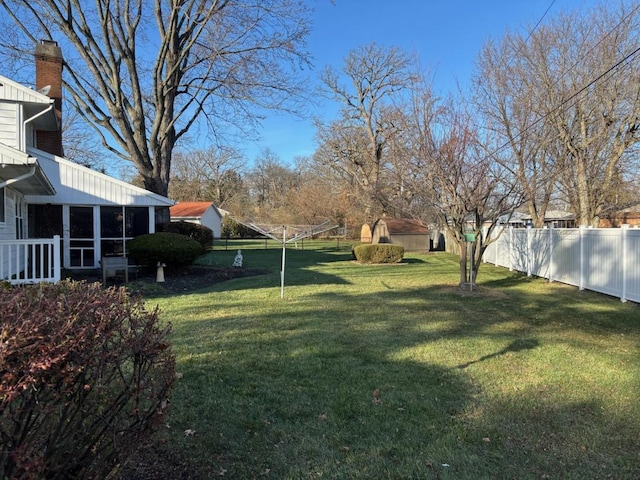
(517, 345)
(298, 407)
(288, 390)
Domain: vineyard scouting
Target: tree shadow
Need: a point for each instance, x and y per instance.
(515, 346)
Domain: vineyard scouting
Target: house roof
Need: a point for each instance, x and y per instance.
(78, 185)
(404, 226)
(35, 104)
(23, 172)
(190, 209)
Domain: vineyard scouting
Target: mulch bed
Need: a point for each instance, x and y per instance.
(184, 281)
(193, 278)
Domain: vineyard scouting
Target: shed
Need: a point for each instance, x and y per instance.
(412, 234)
(201, 213)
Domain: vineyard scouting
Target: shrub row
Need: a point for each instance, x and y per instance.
(378, 253)
(84, 378)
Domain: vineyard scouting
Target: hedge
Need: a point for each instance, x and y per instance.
(378, 253)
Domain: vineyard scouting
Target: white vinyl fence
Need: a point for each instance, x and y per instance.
(605, 260)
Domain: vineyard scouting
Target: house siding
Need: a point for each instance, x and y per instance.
(9, 124)
(8, 229)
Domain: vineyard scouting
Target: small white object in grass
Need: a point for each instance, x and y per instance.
(237, 261)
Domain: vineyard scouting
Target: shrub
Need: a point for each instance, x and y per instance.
(173, 249)
(201, 234)
(232, 228)
(378, 253)
(84, 378)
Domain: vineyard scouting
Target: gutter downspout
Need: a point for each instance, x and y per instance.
(11, 181)
(23, 143)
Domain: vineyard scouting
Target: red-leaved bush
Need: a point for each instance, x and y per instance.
(84, 379)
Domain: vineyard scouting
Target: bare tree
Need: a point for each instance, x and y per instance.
(213, 174)
(144, 72)
(357, 142)
(456, 173)
(595, 106)
(270, 185)
(508, 100)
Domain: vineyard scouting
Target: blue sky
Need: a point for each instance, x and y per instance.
(445, 34)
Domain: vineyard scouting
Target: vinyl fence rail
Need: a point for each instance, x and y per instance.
(30, 260)
(605, 260)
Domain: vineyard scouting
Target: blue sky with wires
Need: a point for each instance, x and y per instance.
(445, 34)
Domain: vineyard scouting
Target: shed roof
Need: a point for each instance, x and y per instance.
(190, 209)
(404, 226)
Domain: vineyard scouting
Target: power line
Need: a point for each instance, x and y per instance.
(573, 96)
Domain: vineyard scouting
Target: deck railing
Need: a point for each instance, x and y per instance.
(32, 260)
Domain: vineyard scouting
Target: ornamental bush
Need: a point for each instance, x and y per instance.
(378, 253)
(84, 378)
(172, 249)
(201, 234)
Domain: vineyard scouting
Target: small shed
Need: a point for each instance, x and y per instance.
(413, 235)
(201, 213)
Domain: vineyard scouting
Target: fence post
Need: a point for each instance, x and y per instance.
(57, 258)
(551, 253)
(529, 250)
(582, 229)
(623, 233)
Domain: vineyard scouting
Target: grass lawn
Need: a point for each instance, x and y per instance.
(393, 372)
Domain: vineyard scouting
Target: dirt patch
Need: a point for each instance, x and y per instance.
(476, 291)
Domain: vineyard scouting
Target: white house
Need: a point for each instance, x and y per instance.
(202, 213)
(53, 212)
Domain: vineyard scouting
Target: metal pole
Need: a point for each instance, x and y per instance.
(284, 245)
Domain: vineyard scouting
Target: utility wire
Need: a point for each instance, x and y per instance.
(573, 96)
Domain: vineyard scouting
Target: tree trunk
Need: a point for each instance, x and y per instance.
(462, 259)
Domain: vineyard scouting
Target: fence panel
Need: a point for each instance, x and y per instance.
(605, 260)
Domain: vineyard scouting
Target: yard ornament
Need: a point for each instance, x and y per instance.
(237, 261)
(160, 272)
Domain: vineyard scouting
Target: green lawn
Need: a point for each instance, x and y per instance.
(520, 379)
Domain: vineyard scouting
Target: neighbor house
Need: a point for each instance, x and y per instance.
(627, 216)
(413, 235)
(201, 213)
(55, 213)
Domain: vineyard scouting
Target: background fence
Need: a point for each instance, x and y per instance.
(605, 260)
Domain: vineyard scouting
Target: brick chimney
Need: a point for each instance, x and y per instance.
(49, 64)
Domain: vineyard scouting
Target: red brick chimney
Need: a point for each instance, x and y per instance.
(49, 73)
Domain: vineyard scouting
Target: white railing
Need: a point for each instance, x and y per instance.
(30, 260)
(605, 260)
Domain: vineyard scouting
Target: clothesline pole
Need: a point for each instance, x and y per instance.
(284, 244)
